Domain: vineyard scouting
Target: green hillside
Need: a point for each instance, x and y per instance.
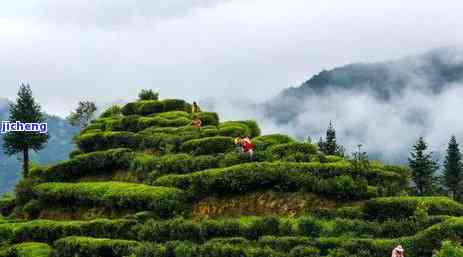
(144, 182)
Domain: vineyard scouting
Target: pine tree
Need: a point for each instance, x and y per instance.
(423, 168)
(453, 169)
(330, 144)
(25, 110)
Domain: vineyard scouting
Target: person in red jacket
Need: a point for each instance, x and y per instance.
(248, 147)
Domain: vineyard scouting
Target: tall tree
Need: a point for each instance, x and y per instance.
(330, 146)
(423, 168)
(25, 110)
(453, 169)
(83, 114)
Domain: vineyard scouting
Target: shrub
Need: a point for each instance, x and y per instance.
(239, 128)
(94, 163)
(7, 204)
(48, 230)
(181, 229)
(303, 251)
(308, 226)
(171, 115)
(32, 208)
(125, 123)
(24, 190)
(176, 105)
(234, 130)
(172, 163)
(107, 140)
(101, 141)
(259, 176)
(286, 243)
(208, 118)
(450, 249)
(208, 145)
(263, 142)
(114, 110)
(147, 107)
(146, 122)
(116, 195)
(29, 250)
(93, 247)
(148, 94)
(129, 109)
(262, 226)
(293, 151)
(405, 206)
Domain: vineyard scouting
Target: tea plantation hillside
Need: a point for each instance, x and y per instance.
(144, 182)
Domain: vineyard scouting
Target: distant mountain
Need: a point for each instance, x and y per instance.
(58, 148)
(431, 72)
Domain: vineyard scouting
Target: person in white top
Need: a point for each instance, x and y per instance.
(398, 252)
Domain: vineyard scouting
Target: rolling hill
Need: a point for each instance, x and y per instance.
(144, 182)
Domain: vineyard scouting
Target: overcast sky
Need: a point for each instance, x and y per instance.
(106, 50)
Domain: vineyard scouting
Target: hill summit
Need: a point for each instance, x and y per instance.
(145, 182)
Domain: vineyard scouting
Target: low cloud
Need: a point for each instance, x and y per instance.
(386, 129)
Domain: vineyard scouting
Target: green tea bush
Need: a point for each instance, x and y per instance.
(176, 105)
(32, 249)
(94, 163)
(263, 226)
(146, 122)
(48, 230)
(293, 151)
(285, 243)
(239, 128)
(116, 195)
(171, 115)
(208, 145)
(234, 130)
(308, 226)
(7, 204)
(106, 140)
(405, 206)
(90, 142)
(94, 126)
(129, 109)
(221, 248)
(93, 247)
(263, 142)
(126, 123)
(203, 230)
(208, 118)
(147, 107)
(303, 251)
(33, 208)
(258, 176)
(450, 249)
(173, 163)
(114, 110)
